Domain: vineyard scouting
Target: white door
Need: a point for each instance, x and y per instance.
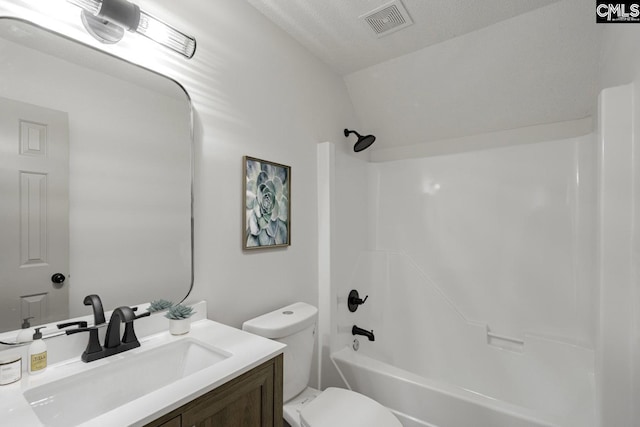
(34, 214)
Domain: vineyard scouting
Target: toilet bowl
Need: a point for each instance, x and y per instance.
(336, 407)
(295, 326)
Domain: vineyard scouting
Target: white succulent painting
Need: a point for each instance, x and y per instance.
(267, 209)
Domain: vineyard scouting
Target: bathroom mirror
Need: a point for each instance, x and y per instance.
(95, 180)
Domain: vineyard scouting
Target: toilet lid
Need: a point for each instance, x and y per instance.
(337, 407)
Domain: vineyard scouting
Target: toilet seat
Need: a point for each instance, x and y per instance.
(337, 407)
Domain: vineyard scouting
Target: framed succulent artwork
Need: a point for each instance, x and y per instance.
(267, 206)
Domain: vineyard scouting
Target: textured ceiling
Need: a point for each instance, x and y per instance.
(333, 31)
(466, 67)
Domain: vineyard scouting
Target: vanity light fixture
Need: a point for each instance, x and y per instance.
(106, 20)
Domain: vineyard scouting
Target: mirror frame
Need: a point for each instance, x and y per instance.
(5, 337)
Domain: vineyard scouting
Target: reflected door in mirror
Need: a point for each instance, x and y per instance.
(34, 242)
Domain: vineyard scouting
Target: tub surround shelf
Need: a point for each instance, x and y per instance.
(244, 353)
(505, 338)
(505, 342)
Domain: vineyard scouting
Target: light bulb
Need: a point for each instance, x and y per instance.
(91, 6)
(107, 14)
(166, 35)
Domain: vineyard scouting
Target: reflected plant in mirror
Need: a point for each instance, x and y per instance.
(95, 180)
(159, 305)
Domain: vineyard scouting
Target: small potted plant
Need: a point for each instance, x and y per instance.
(179, 319)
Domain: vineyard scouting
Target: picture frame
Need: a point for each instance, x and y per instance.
(267, 204)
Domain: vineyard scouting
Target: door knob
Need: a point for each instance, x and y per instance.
(58, 278)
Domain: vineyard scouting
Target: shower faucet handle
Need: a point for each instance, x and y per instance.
(360, 301)
(354, 300)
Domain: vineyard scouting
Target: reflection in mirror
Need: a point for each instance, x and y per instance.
(95, 180)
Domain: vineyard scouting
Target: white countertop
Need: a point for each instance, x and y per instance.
(247, 351)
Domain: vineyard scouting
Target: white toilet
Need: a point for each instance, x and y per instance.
(295, 326)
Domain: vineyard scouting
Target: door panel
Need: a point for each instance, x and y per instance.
(34, 201)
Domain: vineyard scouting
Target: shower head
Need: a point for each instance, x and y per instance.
(363, 142)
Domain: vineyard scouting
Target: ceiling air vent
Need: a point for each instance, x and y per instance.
(388, 18)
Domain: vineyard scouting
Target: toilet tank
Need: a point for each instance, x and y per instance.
(295, 326)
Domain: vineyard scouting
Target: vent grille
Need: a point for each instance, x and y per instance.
(388, 18)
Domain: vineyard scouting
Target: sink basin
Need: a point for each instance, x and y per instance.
(86, 395)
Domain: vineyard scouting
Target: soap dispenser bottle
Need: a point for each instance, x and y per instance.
(37, 353)
(26, 333)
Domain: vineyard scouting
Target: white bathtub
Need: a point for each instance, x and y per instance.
(434, 367)
(420, 402)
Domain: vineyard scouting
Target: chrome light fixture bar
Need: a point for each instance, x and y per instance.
(106, 20)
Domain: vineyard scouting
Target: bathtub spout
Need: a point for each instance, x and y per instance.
(359, 331)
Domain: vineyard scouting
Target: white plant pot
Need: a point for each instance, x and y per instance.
(180, 326)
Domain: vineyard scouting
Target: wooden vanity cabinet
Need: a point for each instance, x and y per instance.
(254, 399)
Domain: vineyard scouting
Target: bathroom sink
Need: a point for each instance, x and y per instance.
(86, 395)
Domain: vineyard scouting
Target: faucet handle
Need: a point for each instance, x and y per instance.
(145, 314)
(129, 336)
(94, 349)
(354, 300)
(80, 324)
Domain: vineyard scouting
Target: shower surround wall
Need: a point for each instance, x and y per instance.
(479, 268)
(506, 234)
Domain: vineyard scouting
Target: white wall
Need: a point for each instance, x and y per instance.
(535, 68)
(618, 358)
(619, 59)
(255, 92)
(258, 93)
(616, 264)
